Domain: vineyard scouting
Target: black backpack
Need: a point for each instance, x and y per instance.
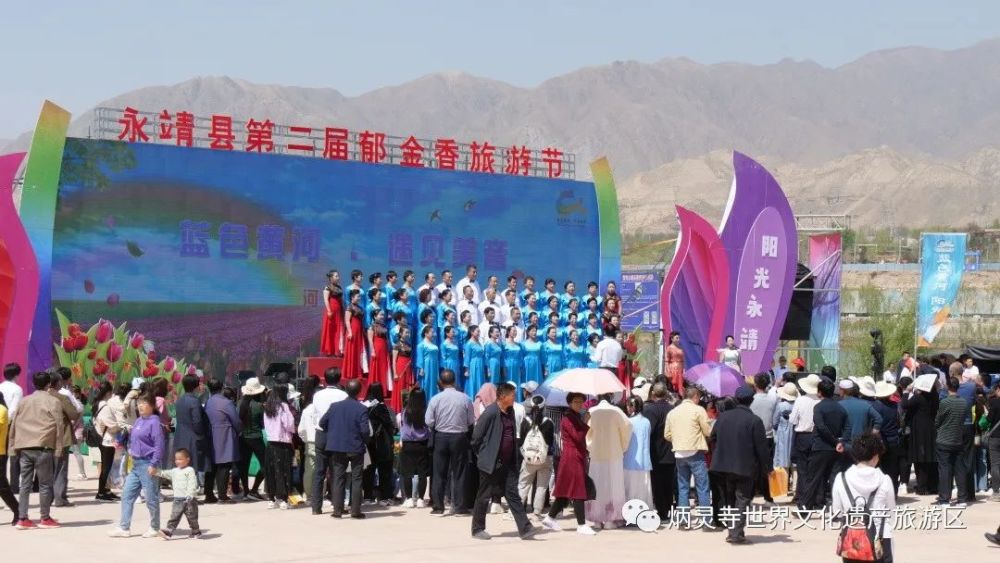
(91, 436)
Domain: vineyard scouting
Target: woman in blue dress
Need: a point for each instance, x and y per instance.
(449, 320)
(513, 360)
(427, 320)
(450, 356)
(494, 356)
(532, 350)
(474, 362)
(400, 304)
(553, 307)
(427, 363)
(444, 308)
(424, 299)
(552, 352)
(576, 355)
(571, 327)
(592, 341)
(592, 327)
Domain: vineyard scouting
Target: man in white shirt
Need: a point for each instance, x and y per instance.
(429, 280)
(12, 392)
(515, 321)
(470, 281)
(608, 352)
(322, 400)
(801, 419)
(490, 299)
(446, 280)
(468, 303)
(512, 286)
(489, 320)
(510, 302)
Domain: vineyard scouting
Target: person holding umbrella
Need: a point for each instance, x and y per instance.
(571, 477)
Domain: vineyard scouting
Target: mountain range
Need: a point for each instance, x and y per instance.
(908, 135)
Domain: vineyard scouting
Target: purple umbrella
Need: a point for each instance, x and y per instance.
(714, 378)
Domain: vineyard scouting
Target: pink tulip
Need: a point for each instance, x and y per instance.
(136, 341)
(114, 352)
(192, 370)
(169, 364)
(105, 331)
(176, 377)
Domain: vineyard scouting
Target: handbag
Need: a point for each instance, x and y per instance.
(91, 436)
(777, 482)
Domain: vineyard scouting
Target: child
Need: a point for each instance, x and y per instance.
(184, 482)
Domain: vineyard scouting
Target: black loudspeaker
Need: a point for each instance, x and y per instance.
(799, 320)
(279, 367)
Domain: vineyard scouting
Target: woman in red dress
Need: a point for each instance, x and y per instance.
(378, 341)
(402, 369)
(571, 477)
(675, 362)
(354, 343)
(331, 339)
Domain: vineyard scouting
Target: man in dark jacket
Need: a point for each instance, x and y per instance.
(888, 462)
(661, 452)
(225, 424)
(831, 433)
(347, 432)
(192, 433)
(741, 453)
(494, 439)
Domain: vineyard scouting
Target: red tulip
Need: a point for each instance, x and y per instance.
(101, 367)
(151, 356)
(74, 329)
(92, 355)
(635, 367)
(150, 371)
(136, 341)
(68, 344)
(105, 331)
(114, 352)
(177, 377)
(110, 377)
(80, 341)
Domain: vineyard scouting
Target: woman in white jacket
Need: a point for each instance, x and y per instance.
(863, 479)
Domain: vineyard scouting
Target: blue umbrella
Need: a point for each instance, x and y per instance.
(553, 397)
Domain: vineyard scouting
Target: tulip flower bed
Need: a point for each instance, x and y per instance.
(105, 352)
(219, 343)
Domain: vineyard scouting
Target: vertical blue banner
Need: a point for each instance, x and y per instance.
(943, 256)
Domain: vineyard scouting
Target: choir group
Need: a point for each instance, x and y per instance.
(403, 335)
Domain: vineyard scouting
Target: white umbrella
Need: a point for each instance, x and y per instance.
(589, 381)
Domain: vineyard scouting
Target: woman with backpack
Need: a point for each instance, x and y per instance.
(864, 489)
(383, 422)
(537, 436)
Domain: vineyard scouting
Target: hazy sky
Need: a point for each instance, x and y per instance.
(79, 53)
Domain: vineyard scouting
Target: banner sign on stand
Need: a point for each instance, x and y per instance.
(943, 256)
(640, 293)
